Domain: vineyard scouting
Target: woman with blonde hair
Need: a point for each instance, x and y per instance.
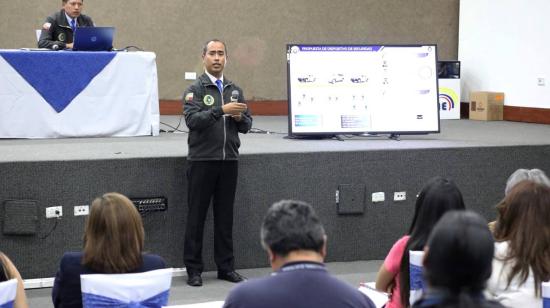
(522, 249)
(8, 271)
(113, 244)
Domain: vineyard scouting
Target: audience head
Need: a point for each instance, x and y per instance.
(114, 235)
(436, 198)
(292, 226)
(524, 222)
(8, 271)
(5, 274)
(534, 175)
(459, 253)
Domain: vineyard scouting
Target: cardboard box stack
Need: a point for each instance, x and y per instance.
(486, 106)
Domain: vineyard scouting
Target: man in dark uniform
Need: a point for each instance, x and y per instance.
(215, 114)
(57, 31)
(296, 244)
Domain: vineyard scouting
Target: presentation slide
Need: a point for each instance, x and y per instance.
(354, 89)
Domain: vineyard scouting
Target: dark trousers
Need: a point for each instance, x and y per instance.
(216, 181)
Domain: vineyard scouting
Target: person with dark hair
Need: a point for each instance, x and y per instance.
(58, 30)
(296, 244)
(215, 113)
(113, 244)
(457, 262)
(438, 196)
(8, 271)
(522, 249)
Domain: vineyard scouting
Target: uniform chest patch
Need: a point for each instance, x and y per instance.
(61, 37)
(208, 100)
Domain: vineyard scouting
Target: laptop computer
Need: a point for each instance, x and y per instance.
(94, 38)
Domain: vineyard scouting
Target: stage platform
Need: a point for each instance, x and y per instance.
(478, 156)
(454, 134)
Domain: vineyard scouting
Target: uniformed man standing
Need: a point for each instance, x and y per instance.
(58, 30)
(215, 114)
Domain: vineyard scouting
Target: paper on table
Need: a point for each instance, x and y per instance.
(377, 297)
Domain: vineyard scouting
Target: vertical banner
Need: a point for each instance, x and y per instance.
(449, 98)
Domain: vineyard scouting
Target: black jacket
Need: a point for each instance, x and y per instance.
(213, 136)
(60, 32)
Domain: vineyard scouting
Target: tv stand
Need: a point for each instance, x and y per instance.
(395, 137)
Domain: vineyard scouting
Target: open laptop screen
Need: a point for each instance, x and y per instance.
(94, 38)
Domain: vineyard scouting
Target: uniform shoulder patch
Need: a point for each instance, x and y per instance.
(189, 97)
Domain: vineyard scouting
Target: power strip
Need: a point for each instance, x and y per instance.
(154, 204)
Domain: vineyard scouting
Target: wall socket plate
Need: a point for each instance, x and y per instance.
(541, 81)
(54, 211)
(378, 197)
(190, 75)
(81, 210)
(400, 196)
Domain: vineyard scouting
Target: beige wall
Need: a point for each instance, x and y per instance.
(256, 31)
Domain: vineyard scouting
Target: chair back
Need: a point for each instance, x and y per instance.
(147, 289)
(8, 291)
(546, 294)
(416, 281)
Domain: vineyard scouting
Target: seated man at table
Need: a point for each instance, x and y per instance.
(296, 243)
(58, 30)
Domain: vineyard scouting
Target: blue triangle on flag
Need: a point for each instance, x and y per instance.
(58, 76)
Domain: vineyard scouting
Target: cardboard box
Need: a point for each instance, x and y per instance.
(486, 106)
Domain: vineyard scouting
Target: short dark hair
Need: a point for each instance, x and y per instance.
(205, 46)
(291, 225)
(65, 1)
(460, 253)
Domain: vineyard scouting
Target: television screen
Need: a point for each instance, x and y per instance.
(357, 89)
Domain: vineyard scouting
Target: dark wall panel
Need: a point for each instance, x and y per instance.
(481, 174)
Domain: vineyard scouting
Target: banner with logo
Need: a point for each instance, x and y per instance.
(449, 98)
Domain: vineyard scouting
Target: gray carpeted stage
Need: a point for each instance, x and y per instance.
(479, 156)
(454, 134)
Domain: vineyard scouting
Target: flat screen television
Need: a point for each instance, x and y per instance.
(362, 89)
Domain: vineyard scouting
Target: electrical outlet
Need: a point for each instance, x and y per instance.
(400, 196)
(378, 197)
(54, 211)
(190, 75)
(81, 210)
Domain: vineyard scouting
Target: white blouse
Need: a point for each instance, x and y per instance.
(516, 295)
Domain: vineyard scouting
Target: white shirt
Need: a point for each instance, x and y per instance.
(516, 295)
(212, 78)
(69, 19)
